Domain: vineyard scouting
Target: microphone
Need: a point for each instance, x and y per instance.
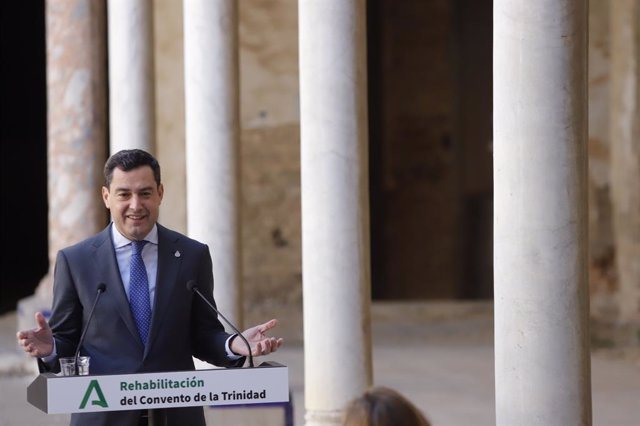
(101, 289)
(193, 287)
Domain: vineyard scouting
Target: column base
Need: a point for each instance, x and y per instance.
(323, 418)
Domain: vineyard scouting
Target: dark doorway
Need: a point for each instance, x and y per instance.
(23, 145)
(430, 86)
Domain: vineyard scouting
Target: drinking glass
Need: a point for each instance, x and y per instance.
(68, 366)
(83, 365)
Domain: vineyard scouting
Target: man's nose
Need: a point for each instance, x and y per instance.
(135, 202)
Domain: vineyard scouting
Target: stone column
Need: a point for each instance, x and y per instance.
(542, 360)
(212, 141)
(625, 153)
(131, 94)
(335, 205)
(76, 140)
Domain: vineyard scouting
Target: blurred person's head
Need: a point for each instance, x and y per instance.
(382, 406)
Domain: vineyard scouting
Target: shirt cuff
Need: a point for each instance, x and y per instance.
(48, 359)
(230, 354)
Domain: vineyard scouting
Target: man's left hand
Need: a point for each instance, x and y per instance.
(260, 343)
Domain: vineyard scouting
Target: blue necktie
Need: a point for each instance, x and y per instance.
(139, 291)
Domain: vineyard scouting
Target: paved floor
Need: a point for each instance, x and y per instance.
(440, 355)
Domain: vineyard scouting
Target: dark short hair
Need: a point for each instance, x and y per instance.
(129, 159)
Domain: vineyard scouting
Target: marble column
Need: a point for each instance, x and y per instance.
(542, 360)
(212, 142)
(131, 76)
(76, 135)
(335, 206)
(625, 154)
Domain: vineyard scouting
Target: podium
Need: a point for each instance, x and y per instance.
(266, 384)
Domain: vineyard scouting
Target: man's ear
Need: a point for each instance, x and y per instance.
(161, 191)
(105, 196)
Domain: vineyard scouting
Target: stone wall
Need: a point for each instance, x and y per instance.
(602, 277)
(271, 255)
(270, 154)
(614, 170)
(430, 149)
(270, 164)
(624, 157)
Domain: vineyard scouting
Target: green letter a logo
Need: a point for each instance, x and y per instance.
(100, 401)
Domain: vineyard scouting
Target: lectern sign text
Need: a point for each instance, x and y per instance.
(78, 394)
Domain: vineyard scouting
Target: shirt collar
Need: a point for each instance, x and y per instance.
(120, 240)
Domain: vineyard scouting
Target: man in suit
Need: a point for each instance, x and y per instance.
(146, 320)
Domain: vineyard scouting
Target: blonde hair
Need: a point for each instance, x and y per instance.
(382, 406)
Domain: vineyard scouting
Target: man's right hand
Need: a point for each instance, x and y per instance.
(37, 342)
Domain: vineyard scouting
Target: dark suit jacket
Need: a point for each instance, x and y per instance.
(182, 326)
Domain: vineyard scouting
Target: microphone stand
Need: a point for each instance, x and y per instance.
(101, 288)
(191, 285)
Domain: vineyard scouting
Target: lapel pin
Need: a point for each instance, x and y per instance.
(177, 253)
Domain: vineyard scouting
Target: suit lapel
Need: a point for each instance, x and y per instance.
(166, 280)
(109, 272)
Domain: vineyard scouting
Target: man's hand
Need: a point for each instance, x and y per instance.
(37, 342)
(260, 343)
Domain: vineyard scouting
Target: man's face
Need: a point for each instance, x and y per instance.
(134, 200)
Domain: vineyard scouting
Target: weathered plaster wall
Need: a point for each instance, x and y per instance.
(270, 154)
(420, 164)
(170, 120)
(270, 170)
(625, 156)
(602, 269)
(268, 63)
